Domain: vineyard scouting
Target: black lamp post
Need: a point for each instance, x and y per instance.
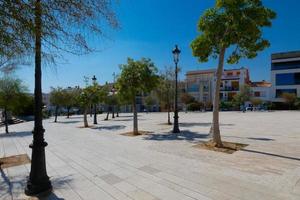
(176, 53)
(38, 181)
(94, 79)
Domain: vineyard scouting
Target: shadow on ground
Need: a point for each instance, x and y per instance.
(111, 128)
(68, 122)
(271, 154)
(187, 124)
(183, 135)
(16, 134)
(261, 139)
(7, 186)
(125, 120)
(252, 138)
(122, 116)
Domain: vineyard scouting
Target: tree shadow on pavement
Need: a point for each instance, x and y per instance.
(252, 138)
(183, 135)
(16, 134)
(261, 139)
(68, 122)
(271, 154)
(114, 127)
(187, 124)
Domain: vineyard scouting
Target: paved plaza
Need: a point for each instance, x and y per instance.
(99, 163)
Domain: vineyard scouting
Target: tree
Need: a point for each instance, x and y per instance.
(69, 98)
(61, 25)
(57, 99)
(289, 99)
(85, 100)
(99, 95)
(25, 105)
(165, 90)
(243, 96)
(10, 92)
(230, 25)
(136, 77)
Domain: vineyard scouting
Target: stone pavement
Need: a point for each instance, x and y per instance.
(99, 163)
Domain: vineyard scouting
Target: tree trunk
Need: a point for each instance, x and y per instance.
(85, 121)
(135, 118)
(91, 111)
(169, 119)
(68, 112)
(56, 112)
(38, 181)
(107, 113)
(113, 111)
(117, 111)
(216, 126)
(95, 114)
(6, 120)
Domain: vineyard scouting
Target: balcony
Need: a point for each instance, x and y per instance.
(229, 88)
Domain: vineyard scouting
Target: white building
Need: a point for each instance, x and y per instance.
(261, 90)
(285, 74)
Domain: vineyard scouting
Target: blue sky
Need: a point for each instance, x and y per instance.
(151, 28)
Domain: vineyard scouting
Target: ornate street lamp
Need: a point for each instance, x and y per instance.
(176, 53)
(94, 79)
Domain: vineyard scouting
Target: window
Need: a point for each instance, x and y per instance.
(193, 88)
(229, 73)
(238, 73)
(286, 65)
(288, 79)
(279, 92)
(257, 94)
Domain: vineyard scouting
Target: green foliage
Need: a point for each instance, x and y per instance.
(237, 24)
(289, 99)
(186, 98)
(11, 93)
(136, 77)
(69, 97)
(166, 90)
(243, 96)
(25, 107)
(150, 100)
(195, 106)
(256, 101)
(57, 96)
(227, 105)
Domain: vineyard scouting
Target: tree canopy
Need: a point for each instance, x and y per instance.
(137, 77)
(237, 24)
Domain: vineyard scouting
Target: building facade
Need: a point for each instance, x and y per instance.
(261, 90)
(285, 74)
(201, 83)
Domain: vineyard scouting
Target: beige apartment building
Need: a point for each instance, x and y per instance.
(201, 83)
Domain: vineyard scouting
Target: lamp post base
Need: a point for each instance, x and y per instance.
(41, 188)
(176, 125)
(176, 130)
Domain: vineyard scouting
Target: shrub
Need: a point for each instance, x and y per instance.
(195, 106)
